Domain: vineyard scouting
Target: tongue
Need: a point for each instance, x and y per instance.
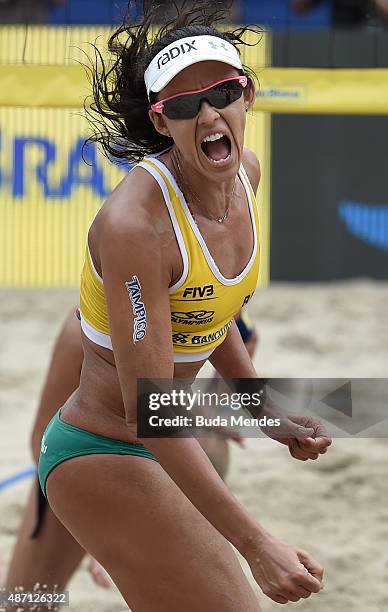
(217, 149)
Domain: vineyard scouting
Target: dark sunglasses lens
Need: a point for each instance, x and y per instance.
(187, 107)
(183, 107)
(224, 94)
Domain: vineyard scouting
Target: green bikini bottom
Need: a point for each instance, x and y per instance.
(62, 441)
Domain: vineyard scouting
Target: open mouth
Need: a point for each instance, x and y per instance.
(217, 147)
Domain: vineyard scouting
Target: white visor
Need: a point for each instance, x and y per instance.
(184, 52)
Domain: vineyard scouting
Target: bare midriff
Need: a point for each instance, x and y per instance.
(97, 405)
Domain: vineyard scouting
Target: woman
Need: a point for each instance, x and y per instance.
(156, 249)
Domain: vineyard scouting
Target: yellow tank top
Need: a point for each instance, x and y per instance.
(202, 302)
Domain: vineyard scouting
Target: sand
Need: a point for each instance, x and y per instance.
(335, 508)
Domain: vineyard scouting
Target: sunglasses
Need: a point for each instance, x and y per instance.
(186, 105)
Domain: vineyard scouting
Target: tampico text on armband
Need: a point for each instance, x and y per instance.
(140, 321)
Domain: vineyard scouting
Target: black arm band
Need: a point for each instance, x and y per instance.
(252, 386)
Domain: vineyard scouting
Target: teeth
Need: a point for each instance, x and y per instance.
(213, 137)
(218, 161)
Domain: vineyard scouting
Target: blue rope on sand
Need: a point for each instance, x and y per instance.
(10, 480)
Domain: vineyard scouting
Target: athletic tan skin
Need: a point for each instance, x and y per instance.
(162, 530)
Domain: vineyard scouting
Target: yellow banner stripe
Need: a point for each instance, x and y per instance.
(335, 91)
(43, 86)
(282, 90)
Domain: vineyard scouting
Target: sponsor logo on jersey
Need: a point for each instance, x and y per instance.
(194, 317)
(201, 292)
(181, 338)
(246, 300)
(205, 339)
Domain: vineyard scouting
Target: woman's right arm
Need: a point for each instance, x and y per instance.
(131, 252)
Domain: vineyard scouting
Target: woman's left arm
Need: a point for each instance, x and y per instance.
(304, 435)
(231, 358)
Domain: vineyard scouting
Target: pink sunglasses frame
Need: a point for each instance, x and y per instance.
(158, 107)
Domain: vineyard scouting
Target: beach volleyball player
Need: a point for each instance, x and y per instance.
(183, 220)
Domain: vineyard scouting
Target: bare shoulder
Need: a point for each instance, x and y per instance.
(252, 168)
(130, 217)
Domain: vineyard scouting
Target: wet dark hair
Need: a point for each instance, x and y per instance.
(118, 113)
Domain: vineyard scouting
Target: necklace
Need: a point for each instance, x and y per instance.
(194, 198)
(218, 219)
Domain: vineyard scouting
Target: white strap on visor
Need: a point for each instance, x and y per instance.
(184, 52)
